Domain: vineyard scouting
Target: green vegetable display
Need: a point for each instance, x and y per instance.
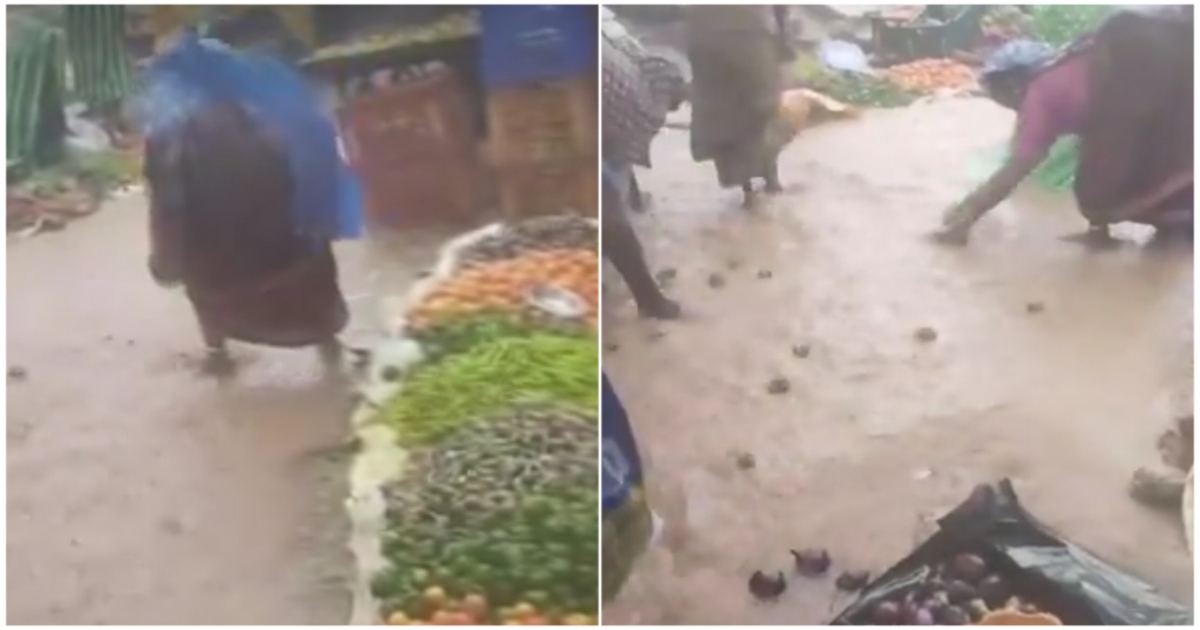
(506, 507)
(492, 517)
(444, 396)
(1060, 24)
(459, 334)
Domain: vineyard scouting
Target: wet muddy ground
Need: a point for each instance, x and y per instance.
(1052, 366)
(141, 493)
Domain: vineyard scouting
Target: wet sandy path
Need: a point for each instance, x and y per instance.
(139, 493)
(880, 432)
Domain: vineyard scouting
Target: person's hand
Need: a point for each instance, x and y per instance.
(956, 226)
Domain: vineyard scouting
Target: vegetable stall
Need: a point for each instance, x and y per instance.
(474, 492)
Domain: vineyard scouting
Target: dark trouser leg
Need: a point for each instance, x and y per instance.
(216, 354)
(621, 246)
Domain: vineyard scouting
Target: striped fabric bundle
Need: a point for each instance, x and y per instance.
(101, 71)
(35, 122)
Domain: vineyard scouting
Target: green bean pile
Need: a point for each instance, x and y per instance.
(443, 396)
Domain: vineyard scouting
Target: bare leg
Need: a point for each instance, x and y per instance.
(621, 246)
(772, 176)
(330, 352)
(217, 361)
(749, 197)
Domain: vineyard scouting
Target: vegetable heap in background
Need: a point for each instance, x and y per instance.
(503, 285)
(858, 89)
(1060, 24)
(931, 75)
(493, 519)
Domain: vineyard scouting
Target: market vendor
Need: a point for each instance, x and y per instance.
(1126, 92)
(247, 192)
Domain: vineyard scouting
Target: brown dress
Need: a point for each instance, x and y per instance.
(1139, 134)
(736, 84)
(221, 224)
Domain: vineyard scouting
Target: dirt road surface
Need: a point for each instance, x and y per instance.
(140, 493)
(1052, 366)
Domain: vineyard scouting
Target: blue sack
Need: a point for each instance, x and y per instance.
(627, 522)
(621, 464)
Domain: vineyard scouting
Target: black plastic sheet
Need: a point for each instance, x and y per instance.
(1071, 583)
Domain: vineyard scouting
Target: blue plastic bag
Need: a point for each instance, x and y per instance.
(628, 524)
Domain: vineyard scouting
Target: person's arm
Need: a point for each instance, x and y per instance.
(1035, 134)
(999, 186)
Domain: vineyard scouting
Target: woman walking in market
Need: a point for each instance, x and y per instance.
(1126, 92)
(736, 54)
(247, 193)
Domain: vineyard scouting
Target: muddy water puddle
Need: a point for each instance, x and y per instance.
(1047, 364)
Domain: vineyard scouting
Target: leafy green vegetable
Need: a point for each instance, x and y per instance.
(443, 396)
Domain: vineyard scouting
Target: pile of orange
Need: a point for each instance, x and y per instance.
(931, 75)
(503, 285)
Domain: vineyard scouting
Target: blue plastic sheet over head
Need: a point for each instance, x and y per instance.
(327, 200)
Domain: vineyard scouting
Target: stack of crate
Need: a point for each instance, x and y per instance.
(543, 146)
(413, 147)
(539, 67)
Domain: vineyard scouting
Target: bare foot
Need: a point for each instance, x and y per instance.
(218, 363)
(661, 308)
(951, 237)
(1093, 239)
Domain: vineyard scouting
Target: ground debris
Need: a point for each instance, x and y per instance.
(926, 334)
(778, 386)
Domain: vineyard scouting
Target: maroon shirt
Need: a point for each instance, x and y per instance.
(1055, 105)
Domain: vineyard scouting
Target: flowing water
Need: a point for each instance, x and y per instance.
(1053, 366)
